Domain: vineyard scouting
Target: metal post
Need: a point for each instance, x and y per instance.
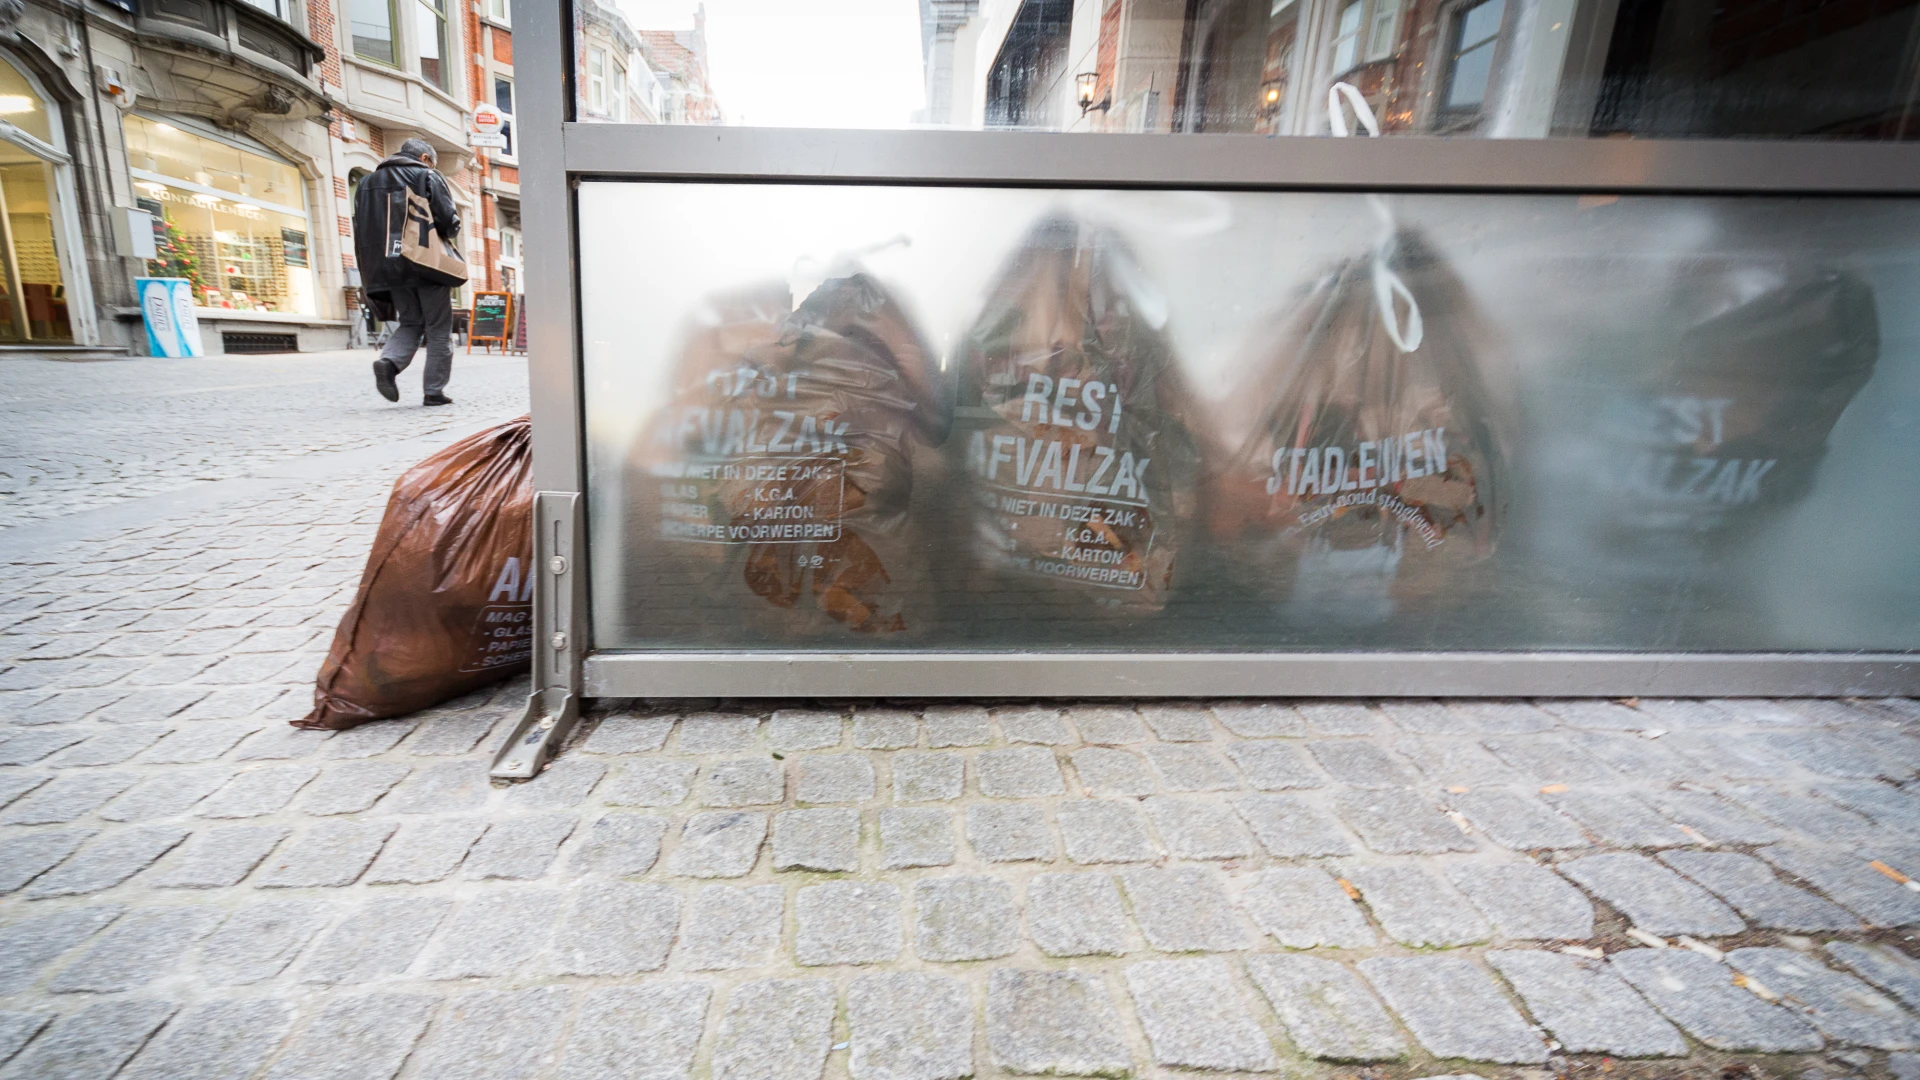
(542, 47)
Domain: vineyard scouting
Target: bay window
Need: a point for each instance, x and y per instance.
(372, 22)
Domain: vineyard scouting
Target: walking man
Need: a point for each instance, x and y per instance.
(424, 309)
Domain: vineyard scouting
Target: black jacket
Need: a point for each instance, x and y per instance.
(381, 272)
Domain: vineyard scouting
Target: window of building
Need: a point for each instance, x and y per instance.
(232, 221)
(1476, 30)
(1386, 20)
(373, 30)
(500, 11)
(597, 80)
(275, 8)
(503, 100)
(617, 106)
(430, 26)
(1346, 35)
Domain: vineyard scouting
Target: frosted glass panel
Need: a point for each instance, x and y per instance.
(838, 417)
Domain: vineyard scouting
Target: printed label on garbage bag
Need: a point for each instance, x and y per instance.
(757, 500)
(502, 635)
(1097, 543)
(1066, 506)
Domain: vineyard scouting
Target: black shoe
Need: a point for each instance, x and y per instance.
(436, 399)
(383, 374)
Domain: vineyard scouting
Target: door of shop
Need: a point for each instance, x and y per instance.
(34, 305)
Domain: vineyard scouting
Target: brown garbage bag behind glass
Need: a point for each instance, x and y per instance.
(1072, 423)
(446, 602)
(768, 500)
(1370, 467)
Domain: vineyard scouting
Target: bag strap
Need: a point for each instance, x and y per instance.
(1337, 116)
(1388, 288)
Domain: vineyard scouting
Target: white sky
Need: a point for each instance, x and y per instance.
(804, 63)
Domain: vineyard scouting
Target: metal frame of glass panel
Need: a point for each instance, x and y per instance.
(558, 154)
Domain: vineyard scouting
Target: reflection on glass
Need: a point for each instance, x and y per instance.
(1547, 68)
(373, 30)
(1470, 61)
(844, 417)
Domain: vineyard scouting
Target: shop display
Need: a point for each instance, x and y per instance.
(1071, 424)
(773, 490)
(446, 602)
(1361, 462)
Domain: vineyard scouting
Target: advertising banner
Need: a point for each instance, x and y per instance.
(166, 306)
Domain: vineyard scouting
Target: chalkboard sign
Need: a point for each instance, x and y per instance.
(492, 312)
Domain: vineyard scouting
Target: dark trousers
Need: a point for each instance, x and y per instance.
(425, 312)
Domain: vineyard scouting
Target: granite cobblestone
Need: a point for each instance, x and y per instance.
(197, 887)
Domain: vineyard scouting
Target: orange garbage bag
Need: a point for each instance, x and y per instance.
(446, 602)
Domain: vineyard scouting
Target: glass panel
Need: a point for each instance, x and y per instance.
(26, 199)
(430, 32)
(1834, 69)
(839, 417)
(503, 95)
(271, 7)
(373, 30)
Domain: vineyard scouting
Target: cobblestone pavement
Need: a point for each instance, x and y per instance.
(189, 888)
(85, 435)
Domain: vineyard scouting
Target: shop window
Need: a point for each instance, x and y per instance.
(373, 31)
(231, 221)
(430, 27)
(1476, 32)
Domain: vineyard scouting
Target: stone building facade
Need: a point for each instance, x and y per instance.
(217, 141)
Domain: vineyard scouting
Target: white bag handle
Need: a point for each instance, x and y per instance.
(1337, 116)
(1387, 286)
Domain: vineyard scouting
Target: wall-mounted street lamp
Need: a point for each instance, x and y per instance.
(1084, 84)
